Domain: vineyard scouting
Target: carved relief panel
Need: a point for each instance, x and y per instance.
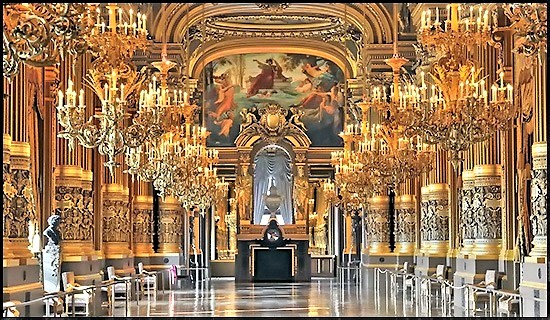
(116, 222)
(21, 208)
(142, 225)
(76, 218)
(171, 226)
(405, 225)
(377, 225)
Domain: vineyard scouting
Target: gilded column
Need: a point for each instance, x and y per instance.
(377, 225)
(19, 210)
(405, 220)
(142, 220)
(116, 215)
(487, 202)
(435, 215)
(171, 226)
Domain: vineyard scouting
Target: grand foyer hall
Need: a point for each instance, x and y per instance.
(274, 159)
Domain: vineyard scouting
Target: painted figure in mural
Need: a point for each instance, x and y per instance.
(51, 232)
(226, 94)
(305, 86)
(295, 119)
(265, 79)
(247, 118)
(225, 122)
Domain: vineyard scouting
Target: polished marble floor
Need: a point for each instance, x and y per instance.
(323, 297)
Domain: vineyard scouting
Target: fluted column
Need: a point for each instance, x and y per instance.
(142, 220)
(171, 226)
(377, 225)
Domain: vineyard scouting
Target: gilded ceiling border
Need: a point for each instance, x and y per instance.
(375, 22)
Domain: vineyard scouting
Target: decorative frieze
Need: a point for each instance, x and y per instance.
(171, 226)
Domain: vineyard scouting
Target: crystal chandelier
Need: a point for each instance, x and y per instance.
(38, 34)
(456, 111)
(529, 23)
(113, 79)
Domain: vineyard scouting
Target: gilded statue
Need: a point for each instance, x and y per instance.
(244, 192)
(301, 187)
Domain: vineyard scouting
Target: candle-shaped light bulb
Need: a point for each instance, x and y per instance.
(60, 98)
(501, 79)
(81, 98)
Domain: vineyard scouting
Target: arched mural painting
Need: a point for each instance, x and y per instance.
(238, 85)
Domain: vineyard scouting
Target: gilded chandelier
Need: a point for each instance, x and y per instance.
(38, 34)
(113, 79)
(456, 110)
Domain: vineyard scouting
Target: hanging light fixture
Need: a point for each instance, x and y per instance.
(456, 111)
(386, 149)
(113, 79)
(39, 34)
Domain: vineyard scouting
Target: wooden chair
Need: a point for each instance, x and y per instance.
(82, 301)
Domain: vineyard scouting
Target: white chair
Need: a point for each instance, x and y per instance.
(120, 290)
(82, 301)
(408, 279)
(147, 282)
(490, 282)
(9, 309)
(427, 286)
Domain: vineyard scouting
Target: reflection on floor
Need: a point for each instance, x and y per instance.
(222, 297)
